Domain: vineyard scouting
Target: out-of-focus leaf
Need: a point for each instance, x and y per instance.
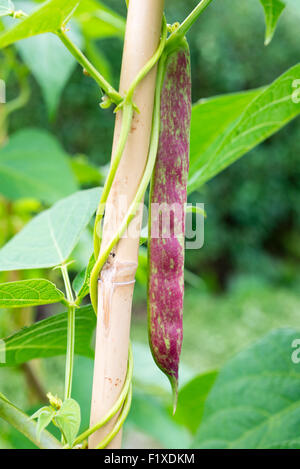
(48, 18)
(49, 239)
(273, 10)
(255, 401)
(29, 293)
(267, 113)
(33, 164)
(99, 21)
(191, 400)
(50, 63)
(85, 172)
(48, 338)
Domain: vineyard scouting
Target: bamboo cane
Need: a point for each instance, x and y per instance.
(117, 278)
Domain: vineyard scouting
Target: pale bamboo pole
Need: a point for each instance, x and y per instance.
(117, 278)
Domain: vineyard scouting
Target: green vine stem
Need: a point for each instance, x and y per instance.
(125, 129)
(70, 332)
(21, 422)
(123, 398)
(125, 411)
(109, 90)
(128, 107)
(150, 64)
(140, 192)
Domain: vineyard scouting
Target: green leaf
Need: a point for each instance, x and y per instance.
(268, 112)
(255, 402)
(44, 417)
(81, 283)
(50, 63)
(33, 164)
(48, 338)
(273, 10)
(98, 21)
(68, 419)
(191, 400)
(6, 7)
(49, 239)
(210, 120)
(29, 293)
(47, 19)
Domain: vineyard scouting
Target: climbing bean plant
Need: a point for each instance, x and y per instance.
(49, 239)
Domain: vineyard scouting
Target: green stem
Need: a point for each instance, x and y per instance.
(150, 64)
(70, 333)
(125, 411)
(114, 96)
(140, 192)
(26, 426)
(189, 21)
(126, 126)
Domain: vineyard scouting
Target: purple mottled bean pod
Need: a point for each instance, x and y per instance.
(167, 218)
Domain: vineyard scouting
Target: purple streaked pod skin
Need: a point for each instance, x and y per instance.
(167, 218)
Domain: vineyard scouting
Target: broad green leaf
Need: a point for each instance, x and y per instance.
(48, 338)
(44, 417)
(267, 113)
(210, 120)
(191, 400)
(33, 164)
(99, 21)
(29, 293)
(150, 416)
(49, 239)
(68, 419)
(81, 284)
(6, 7)
(255, 401)
(46, 19)
(273, 10)
(50, 63)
